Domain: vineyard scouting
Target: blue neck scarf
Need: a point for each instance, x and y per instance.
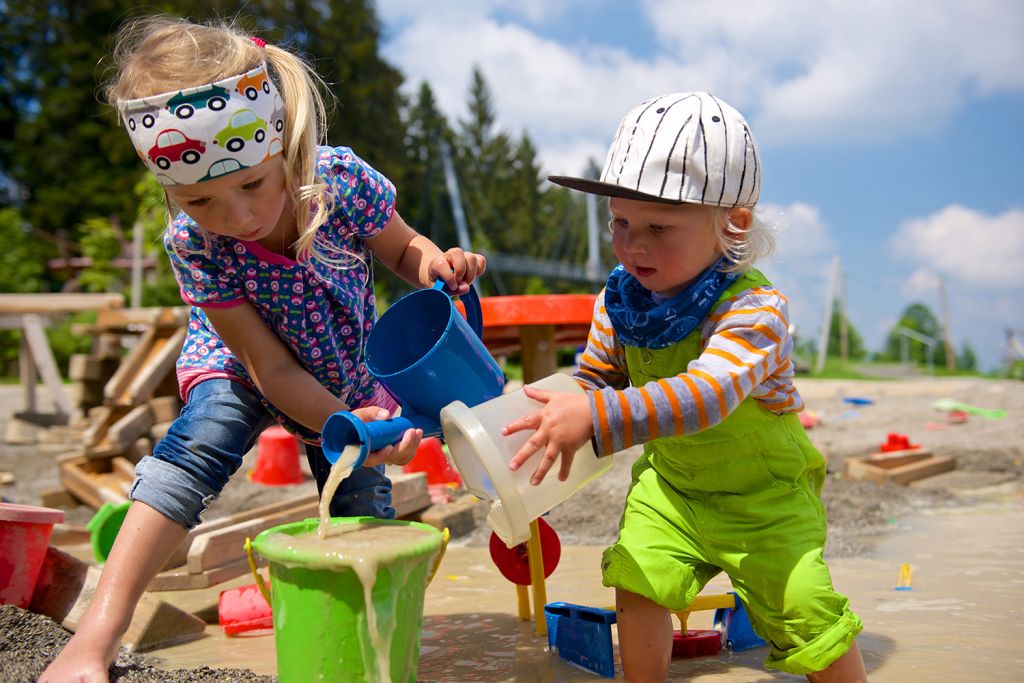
(641, 321)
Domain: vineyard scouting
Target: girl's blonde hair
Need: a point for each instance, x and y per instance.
(158, 54)
(743, 248)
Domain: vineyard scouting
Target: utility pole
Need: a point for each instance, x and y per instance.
(944, 305)
(452, 184)
(137, 265)
(593, 236)
(844, 342)
(826, 324)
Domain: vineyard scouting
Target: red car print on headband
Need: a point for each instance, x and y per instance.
(172, 145)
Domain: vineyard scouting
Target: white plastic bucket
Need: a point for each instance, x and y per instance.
(481, 455)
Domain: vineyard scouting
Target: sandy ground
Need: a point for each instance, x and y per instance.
(989, 454)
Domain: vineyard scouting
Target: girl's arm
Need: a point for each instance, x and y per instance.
(418, 261)
(285, 383)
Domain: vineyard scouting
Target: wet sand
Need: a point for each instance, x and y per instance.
(959, 622)
(962, 532)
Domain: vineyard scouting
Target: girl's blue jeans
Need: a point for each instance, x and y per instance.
(205, 445)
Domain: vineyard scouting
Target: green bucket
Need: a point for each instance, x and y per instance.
(321, 623)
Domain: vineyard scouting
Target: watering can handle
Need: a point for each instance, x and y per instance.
(474, 313)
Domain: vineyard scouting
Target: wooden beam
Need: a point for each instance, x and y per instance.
(58, 303)
(66, 586)
(42, 357)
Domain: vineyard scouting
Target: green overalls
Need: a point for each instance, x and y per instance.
(742, 497)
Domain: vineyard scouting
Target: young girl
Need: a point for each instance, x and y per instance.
(689, 355)
(272, 247)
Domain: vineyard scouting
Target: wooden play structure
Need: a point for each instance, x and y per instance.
(897, 461)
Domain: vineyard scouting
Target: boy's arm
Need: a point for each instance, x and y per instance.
(603, 362)
(746, 351)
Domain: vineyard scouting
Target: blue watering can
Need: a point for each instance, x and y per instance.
(427, 355)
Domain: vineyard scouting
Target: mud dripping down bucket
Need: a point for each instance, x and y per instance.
(481, 455)
(349, 607)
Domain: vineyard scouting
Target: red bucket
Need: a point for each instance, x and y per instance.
(24, 536)
(277, 458)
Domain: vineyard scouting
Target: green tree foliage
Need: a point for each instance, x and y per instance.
(918, 318)
(508, 210)
(61, 146)
(21, 270)
(966, 359)
(854, 342)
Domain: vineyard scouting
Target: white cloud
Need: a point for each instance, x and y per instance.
(922, 283)
(966, 245)
(799, 69)
(869, 69)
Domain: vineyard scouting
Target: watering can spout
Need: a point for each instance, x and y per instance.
(427, 355)
(343, 429)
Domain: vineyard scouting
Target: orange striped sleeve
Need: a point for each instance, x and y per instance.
(604, 431)
(590, 360)
(627, 418)
(652, 416)
(716, 387)
(673, 402)
(740, 341)
(698, 400)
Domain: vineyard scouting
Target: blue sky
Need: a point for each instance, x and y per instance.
(892, 133)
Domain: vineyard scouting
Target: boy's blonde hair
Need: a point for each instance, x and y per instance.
(159, 54)
(742, 248)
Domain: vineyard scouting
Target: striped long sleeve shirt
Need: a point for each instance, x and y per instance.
(745, 351)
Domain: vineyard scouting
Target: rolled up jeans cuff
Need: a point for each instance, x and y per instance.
(171, 491)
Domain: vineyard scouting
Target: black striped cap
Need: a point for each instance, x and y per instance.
(679, 148)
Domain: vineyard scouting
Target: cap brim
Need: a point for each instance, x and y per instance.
(592, 186)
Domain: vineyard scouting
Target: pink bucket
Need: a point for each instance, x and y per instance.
(24, 536)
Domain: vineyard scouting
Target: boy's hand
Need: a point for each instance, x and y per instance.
(394, 454)
(457, 268)
(561, 427)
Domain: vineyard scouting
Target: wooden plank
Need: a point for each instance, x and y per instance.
(904, 470)
(129, 367)
(125, 319)
(58, 303)
(936, 464)
(409, 493)
(899, 457)
(179, 578)
(100, 419)
(42, 356)
(94, 481)
(57, 496)
(180, 555)
(165, 408)
(133, 426)
(216, 546)
(66, 586)
(226, 545)
(160, 361)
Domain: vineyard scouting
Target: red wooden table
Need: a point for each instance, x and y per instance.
(536, 326)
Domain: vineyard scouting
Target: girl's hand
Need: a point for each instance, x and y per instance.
(457, 268)
(394, 454)
(561, 427)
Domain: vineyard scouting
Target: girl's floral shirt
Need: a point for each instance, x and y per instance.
(322, 312)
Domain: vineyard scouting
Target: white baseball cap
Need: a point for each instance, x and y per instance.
(679, 148)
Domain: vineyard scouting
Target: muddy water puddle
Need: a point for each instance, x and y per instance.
(960, 620)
